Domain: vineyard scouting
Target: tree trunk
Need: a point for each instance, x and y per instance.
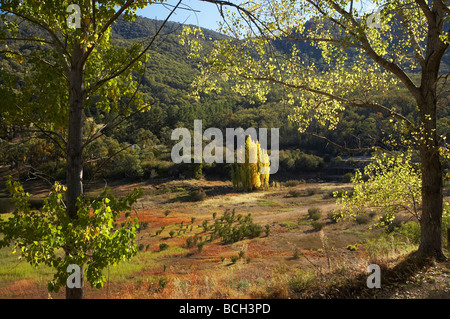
(432, 184)
(432, 204)
(75, 151)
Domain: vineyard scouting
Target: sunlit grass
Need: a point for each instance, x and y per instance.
(268, 203)
(133, 268)
(11, 268)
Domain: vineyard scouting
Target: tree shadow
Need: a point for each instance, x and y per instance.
(355, 287)
(210, 191)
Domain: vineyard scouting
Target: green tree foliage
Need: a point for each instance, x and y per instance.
(390, 184)
(68, 71)
(49, 236)
(360, 64)
(165, 84)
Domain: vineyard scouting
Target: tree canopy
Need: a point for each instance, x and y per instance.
(361, 63)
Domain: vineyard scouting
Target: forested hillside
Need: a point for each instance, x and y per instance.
(134, 147)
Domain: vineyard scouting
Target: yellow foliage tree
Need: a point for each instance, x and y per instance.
(252, 174)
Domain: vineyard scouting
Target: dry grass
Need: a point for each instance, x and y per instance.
(294, 261)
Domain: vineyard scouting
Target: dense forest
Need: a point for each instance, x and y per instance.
(138, 146)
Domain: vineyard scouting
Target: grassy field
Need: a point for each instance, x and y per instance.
(301, 253)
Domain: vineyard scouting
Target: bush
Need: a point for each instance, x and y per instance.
(200, 246)
(163, 246)
(363, 219)
(328, 194)
(192, 241)
(295, 193)
(411, 230)
(317, 225)
(267, 230)
(335, 216)
(291, 183)
(197, 195)
(347, 178)
(342, 192)
(231, 228)
(312, 191)
(308, 163)
(314, 213)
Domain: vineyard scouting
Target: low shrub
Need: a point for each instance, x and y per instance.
(363, 219)
(342, 192)
(287, 224)
(314, 213)
(347, 178)
(200, 246)
(312, 191)
(163, 246)
(267, 229)
(291, 183)
(335, 216)
(303, 280)
(197, 195)
(192, 241)
(411, 230)
(295, 193)
(328, 194)
(317, 225)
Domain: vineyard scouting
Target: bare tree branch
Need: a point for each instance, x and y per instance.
(25, 39)
(351, 150)
(374, 106)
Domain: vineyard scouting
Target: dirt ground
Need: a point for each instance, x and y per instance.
(267, 265)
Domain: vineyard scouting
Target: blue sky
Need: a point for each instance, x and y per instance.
(206, 14)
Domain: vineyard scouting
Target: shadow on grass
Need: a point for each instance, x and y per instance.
(7, 206)
(355, 287)
(209, 191)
